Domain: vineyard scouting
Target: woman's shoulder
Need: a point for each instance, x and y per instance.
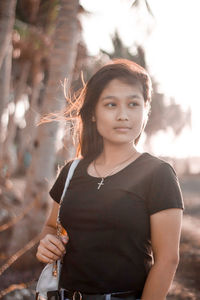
(156, 160)
(158, 165)
(163, 190)
(63, 170)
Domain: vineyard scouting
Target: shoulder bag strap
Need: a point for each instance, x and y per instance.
(69, 177)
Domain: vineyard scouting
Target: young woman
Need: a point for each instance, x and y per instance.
(123, 208)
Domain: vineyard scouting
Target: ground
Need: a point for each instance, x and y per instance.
(186, 285)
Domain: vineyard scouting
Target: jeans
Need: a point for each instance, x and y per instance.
(108, 297)
(78, 296)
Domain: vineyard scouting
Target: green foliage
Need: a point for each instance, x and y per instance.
(41, 14)
(22, 28)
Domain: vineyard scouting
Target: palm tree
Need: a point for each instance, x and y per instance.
(137, 3)
(7, 18)
(62, 60)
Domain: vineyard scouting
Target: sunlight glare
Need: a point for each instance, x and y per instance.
(172, 54)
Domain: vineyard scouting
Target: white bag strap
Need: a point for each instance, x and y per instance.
(69, 177)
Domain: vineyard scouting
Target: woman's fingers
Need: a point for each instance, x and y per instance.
(46, 256)
(56, 241)
(65, 239)
(50, 248)
(53, 244)
(43, 258)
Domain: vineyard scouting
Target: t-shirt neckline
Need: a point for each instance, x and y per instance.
(126, 167)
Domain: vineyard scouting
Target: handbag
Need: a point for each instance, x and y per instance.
(48, 284)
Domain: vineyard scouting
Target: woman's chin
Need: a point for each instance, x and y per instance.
(119, 141)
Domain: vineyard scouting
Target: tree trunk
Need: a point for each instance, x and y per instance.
(5, 78)
(32, 114)
(62, 60)
(8, 155)
(7, 18)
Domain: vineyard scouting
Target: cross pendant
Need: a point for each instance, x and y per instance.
(100, 183)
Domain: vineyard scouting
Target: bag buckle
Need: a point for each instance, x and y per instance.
(79, 294)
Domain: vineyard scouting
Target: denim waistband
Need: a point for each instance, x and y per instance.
(77, 295)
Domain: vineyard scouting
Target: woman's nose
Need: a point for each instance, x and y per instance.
(122, 114)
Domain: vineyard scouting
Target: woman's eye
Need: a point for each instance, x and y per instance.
(132, 104)
(110, 104)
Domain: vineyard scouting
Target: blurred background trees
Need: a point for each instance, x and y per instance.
(41, 44)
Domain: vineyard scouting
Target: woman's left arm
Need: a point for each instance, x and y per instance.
(165, 238)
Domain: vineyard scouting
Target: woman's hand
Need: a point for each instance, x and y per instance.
(51, 248)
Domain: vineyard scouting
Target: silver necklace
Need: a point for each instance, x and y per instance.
(110, 173)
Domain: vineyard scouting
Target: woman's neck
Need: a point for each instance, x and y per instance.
(114, 154)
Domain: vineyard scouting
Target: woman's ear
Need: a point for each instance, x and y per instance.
(93, 119)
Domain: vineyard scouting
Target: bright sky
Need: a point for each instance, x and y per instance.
(172, 51)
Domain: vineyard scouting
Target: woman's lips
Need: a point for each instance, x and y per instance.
(122, 129)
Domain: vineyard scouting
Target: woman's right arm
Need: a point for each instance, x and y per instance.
(51, 248)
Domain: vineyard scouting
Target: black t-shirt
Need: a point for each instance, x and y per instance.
(109, 248)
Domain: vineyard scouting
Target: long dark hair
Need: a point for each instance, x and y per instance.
(80, 110)
(90, 141)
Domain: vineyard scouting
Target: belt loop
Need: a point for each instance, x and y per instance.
(74, 295)
(62, 294)
(108, 297)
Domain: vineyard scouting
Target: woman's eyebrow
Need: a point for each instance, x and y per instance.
(109, 97)
(134, 96)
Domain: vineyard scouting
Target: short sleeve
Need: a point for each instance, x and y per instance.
(164, 192)
(57, 188)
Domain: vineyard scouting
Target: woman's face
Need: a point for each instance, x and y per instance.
(120, 112)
